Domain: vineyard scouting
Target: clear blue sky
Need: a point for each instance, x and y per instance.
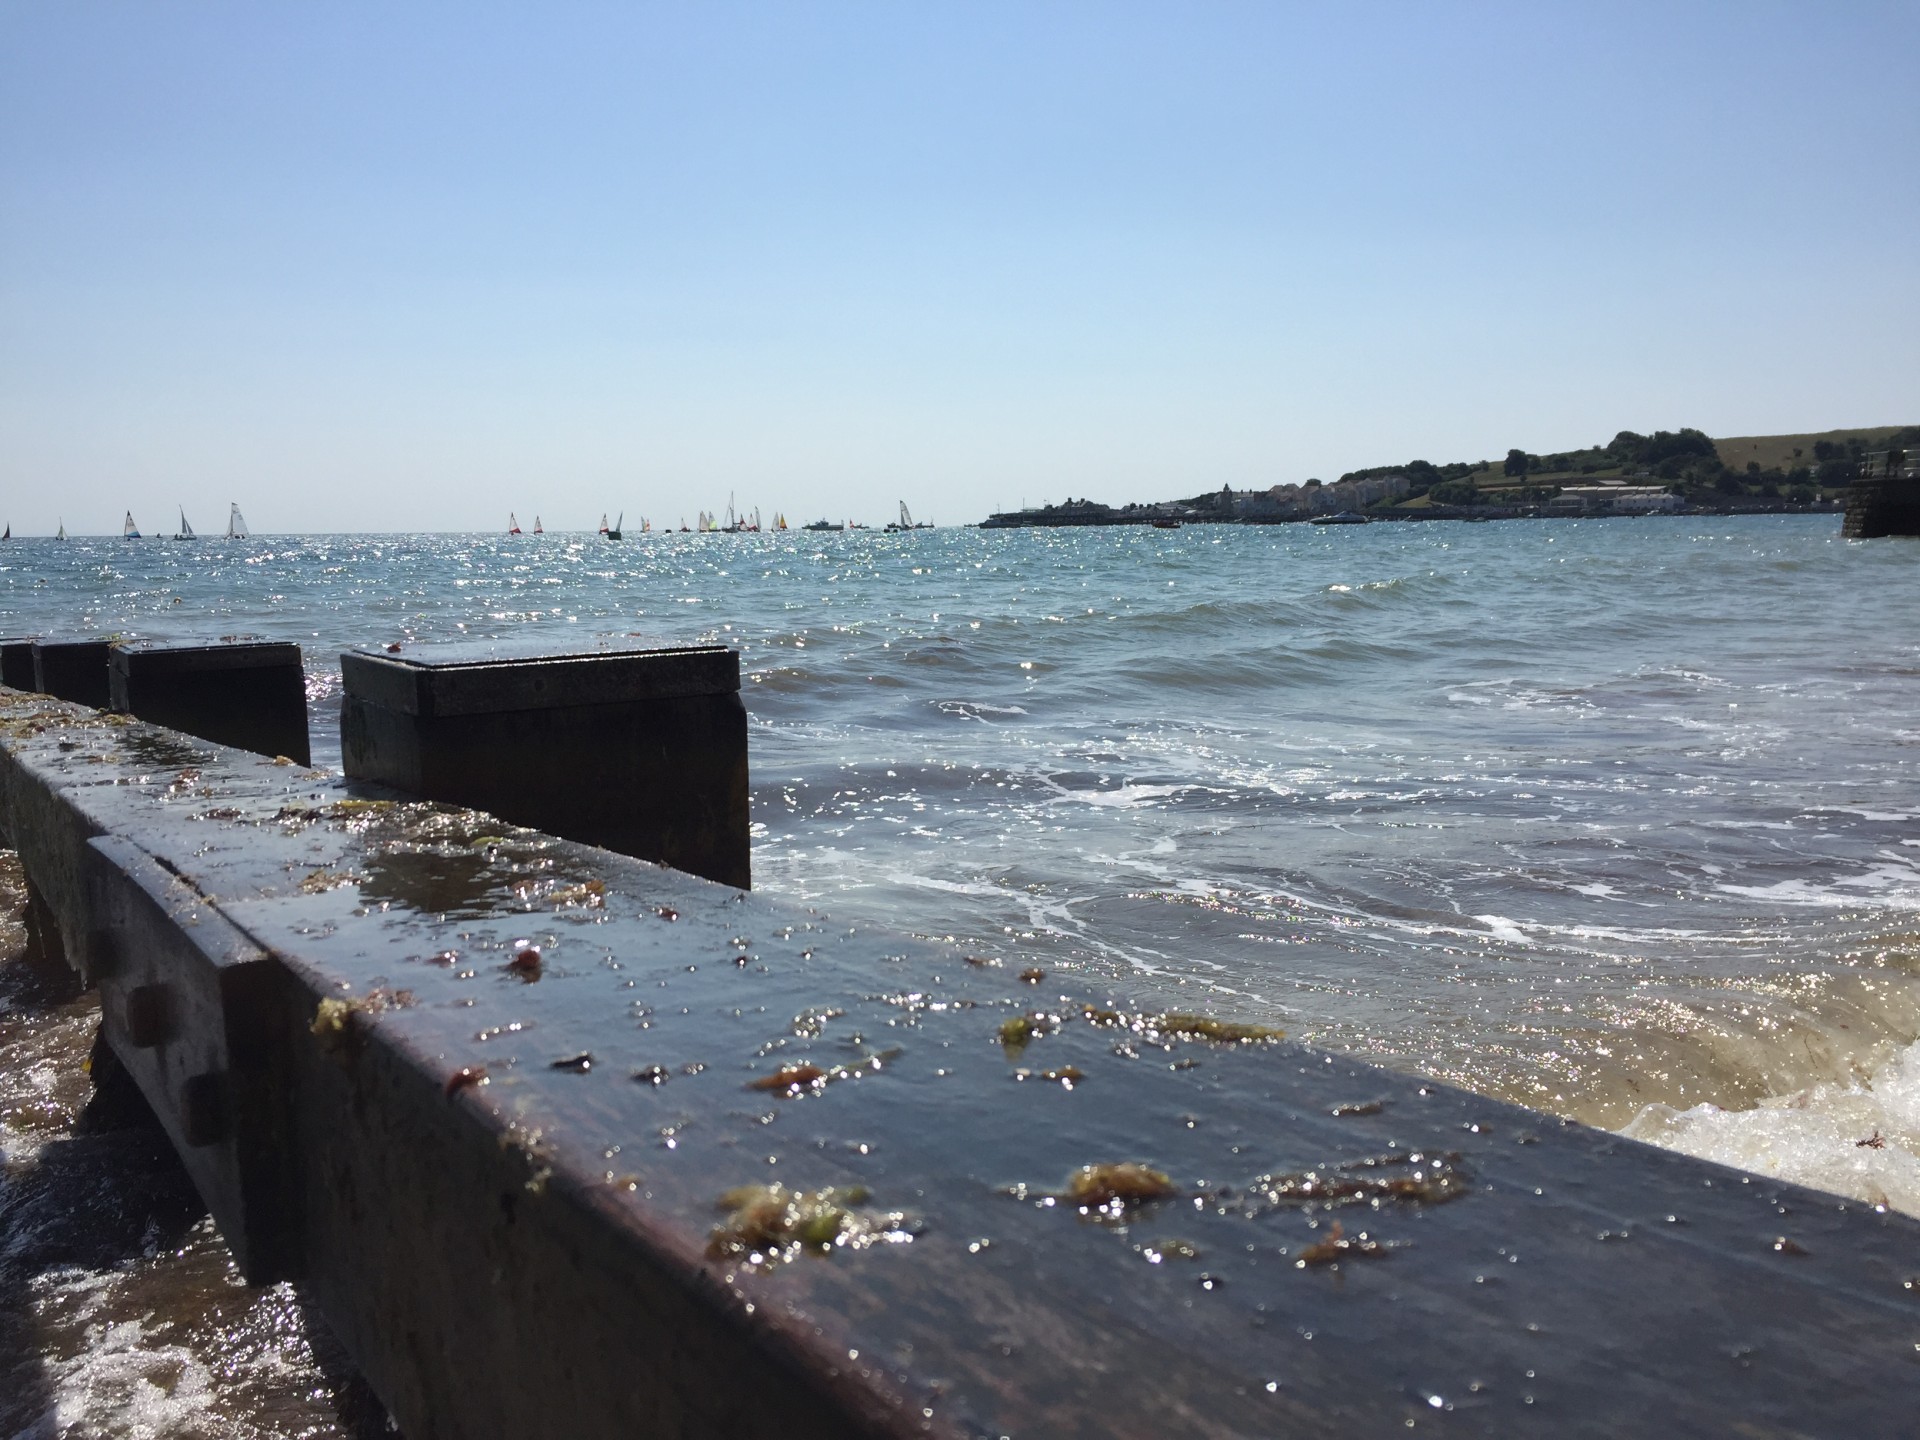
(397, 266)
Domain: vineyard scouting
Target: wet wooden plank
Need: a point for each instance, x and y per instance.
(537, 1251)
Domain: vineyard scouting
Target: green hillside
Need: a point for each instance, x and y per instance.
(1797, 468)
(1783, 452)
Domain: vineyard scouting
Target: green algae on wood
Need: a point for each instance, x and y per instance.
(769, 1224)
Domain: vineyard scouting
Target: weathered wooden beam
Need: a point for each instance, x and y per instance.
(16, 662)
(516, 1077)
(630, 746)
(247, 693)
(72, 669)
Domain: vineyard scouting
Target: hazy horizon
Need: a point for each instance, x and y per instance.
(363, 269)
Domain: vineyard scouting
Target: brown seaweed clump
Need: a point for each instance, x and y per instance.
(802, 1077)
(1117, 1187)
(770, 1224)
(1179, 1026)
(1415, 1178)
(526, 962)
(1338, 1245)
(333, 1017)
(1022, 1030)
(791, 1080)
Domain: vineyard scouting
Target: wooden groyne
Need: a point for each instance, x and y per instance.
(565, 1142)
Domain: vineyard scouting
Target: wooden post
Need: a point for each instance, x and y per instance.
(635, 748)
(250, 694)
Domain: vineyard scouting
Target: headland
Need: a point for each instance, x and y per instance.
(1683, 472)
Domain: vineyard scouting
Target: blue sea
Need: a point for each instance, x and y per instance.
(1619, 819)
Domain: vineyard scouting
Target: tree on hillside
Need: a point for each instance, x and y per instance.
(1516, 465)
(1684, 444)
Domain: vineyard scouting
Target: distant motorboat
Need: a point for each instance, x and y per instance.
(186, 530)
(129, 531)
(236, 525)
(1164, 522)
(1345, 517)
(823, 525)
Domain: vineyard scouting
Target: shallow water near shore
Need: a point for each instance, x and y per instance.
(1619, 819)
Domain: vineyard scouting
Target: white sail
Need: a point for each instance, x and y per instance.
(130, 531)
(513, 525)
(63, 531)
(538, 528)
(906, 518)
(236, 526)
(603, 522)
(186, 530)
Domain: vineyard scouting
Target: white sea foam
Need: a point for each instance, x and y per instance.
(1861, 1139)
(1893, 885)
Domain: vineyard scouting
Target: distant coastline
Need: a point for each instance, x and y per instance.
(1680, 472)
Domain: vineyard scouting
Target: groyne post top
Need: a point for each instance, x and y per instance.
(577, 1144)
(636, 746)
(73, 668)
(240, 691)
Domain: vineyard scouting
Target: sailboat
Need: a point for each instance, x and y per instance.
(645, 525)
(236, 526)
(186, 530)
(779, 521)
(63, 530)
(538, 528)
(603, 522)
(906, 521)
(513, 525)
(614, 533)
(7, 534)
(129, 531)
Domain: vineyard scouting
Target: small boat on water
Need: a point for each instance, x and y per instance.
(538, 528)
(513, 525)
(129, 531)
(1164, 522)
(236, 526)
(1345, 517)
(905, 521)
(823, 525)
(63, 530)
(186, 530)
(7, 534)
(614, 533)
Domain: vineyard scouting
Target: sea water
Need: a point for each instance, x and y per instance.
(1619, 819)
